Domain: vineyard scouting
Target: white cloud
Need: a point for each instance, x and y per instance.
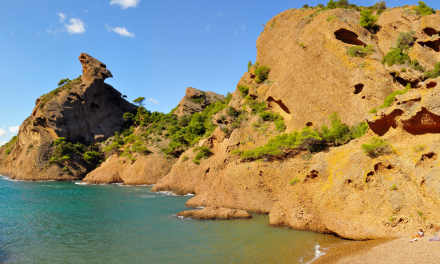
(76, 26)
(120, 30)
(207, 27)
(125, 3)
(153, 101)
(3, 142)
(243, 27)
(3, 132)
(62, 17)
(236, 33)
(85, 11)
(14, 129)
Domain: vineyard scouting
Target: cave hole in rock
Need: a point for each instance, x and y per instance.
(348, 181)
(253, 96)
(270, 101)
(368, 179)
(432, 44)
(309, 124)
(379, 166)
(431, 85)
(94, 107)
(313, 175)
(348, 37)
(428, 156)
(363, 97)
(402, 81)
(430, 31)
(358, 88)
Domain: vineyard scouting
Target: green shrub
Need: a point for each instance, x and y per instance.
(232, 112)
(420, 213)
(262, 72)
(63, 81)
(395, 56)
(305, 6)
(390, 98)
(236, 152)
(423, 10)
(338, 133)
(377, 147)
(185, 158)
(256, 107)
(65, 157)
(11, 142)
(267, 116)
(112, 147)
(368, 20)
(393, 187)
(403, 70)
(434, 73)
(53, 160)
(331, 4)
(320, 5)
(65, 168)
(380, 5)
(359, 130)
(330, 18)
(235, 125)
(203, 152)
(280, 125)
(92, 156)
(294, 181)
(360, 51)
(8, 151)
(405, 40)
(420, 147)
(249, 65)
(244, 90)
(373, 111)
(302, 45)
(342, 3)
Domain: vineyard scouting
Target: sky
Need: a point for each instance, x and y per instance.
(154, 49)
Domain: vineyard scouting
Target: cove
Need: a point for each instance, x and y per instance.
(64, 222)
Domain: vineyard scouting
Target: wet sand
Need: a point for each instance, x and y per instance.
(384, 251)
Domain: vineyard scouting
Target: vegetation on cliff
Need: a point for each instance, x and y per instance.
(308, 139)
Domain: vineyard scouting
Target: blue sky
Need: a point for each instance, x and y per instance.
(154, 49)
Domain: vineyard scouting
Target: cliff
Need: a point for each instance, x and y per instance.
(85, 110)
(340, 190)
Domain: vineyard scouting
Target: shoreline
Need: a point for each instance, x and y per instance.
(349, 249)
(399, 250)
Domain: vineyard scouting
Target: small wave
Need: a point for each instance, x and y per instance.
(318, 253)
(148, 196)
(168, 193)
(200, 207)
(189, 194)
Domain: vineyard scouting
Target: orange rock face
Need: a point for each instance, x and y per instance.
(340, 191)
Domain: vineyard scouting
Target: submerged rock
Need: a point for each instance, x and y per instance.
(215, 213)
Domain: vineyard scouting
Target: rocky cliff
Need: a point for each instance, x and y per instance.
(340, 190)
(196, 100)
(84, 110)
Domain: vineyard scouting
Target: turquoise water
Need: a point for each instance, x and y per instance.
(63, 222)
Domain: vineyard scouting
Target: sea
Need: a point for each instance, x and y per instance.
(68, 222)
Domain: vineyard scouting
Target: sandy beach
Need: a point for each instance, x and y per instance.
(383, 251)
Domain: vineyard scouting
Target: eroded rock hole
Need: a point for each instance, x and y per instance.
(253, 96)
(379, 166)
(348, 181)
(270, 100)
(431, 85)
(309, 124)
(429, 156)
(348, 37)
(358, 88)
(434, 44)
(94, 107)
(363, 97)
(368, 179)
(313, 175)
(430, 31)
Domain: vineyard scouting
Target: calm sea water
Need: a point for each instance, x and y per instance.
(64, 222)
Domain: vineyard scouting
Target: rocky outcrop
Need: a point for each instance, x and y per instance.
(85, 109)
(215, 213)
(417, 111)
(311, 74)
(148, 169)
(196, 100)
(340, 191)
